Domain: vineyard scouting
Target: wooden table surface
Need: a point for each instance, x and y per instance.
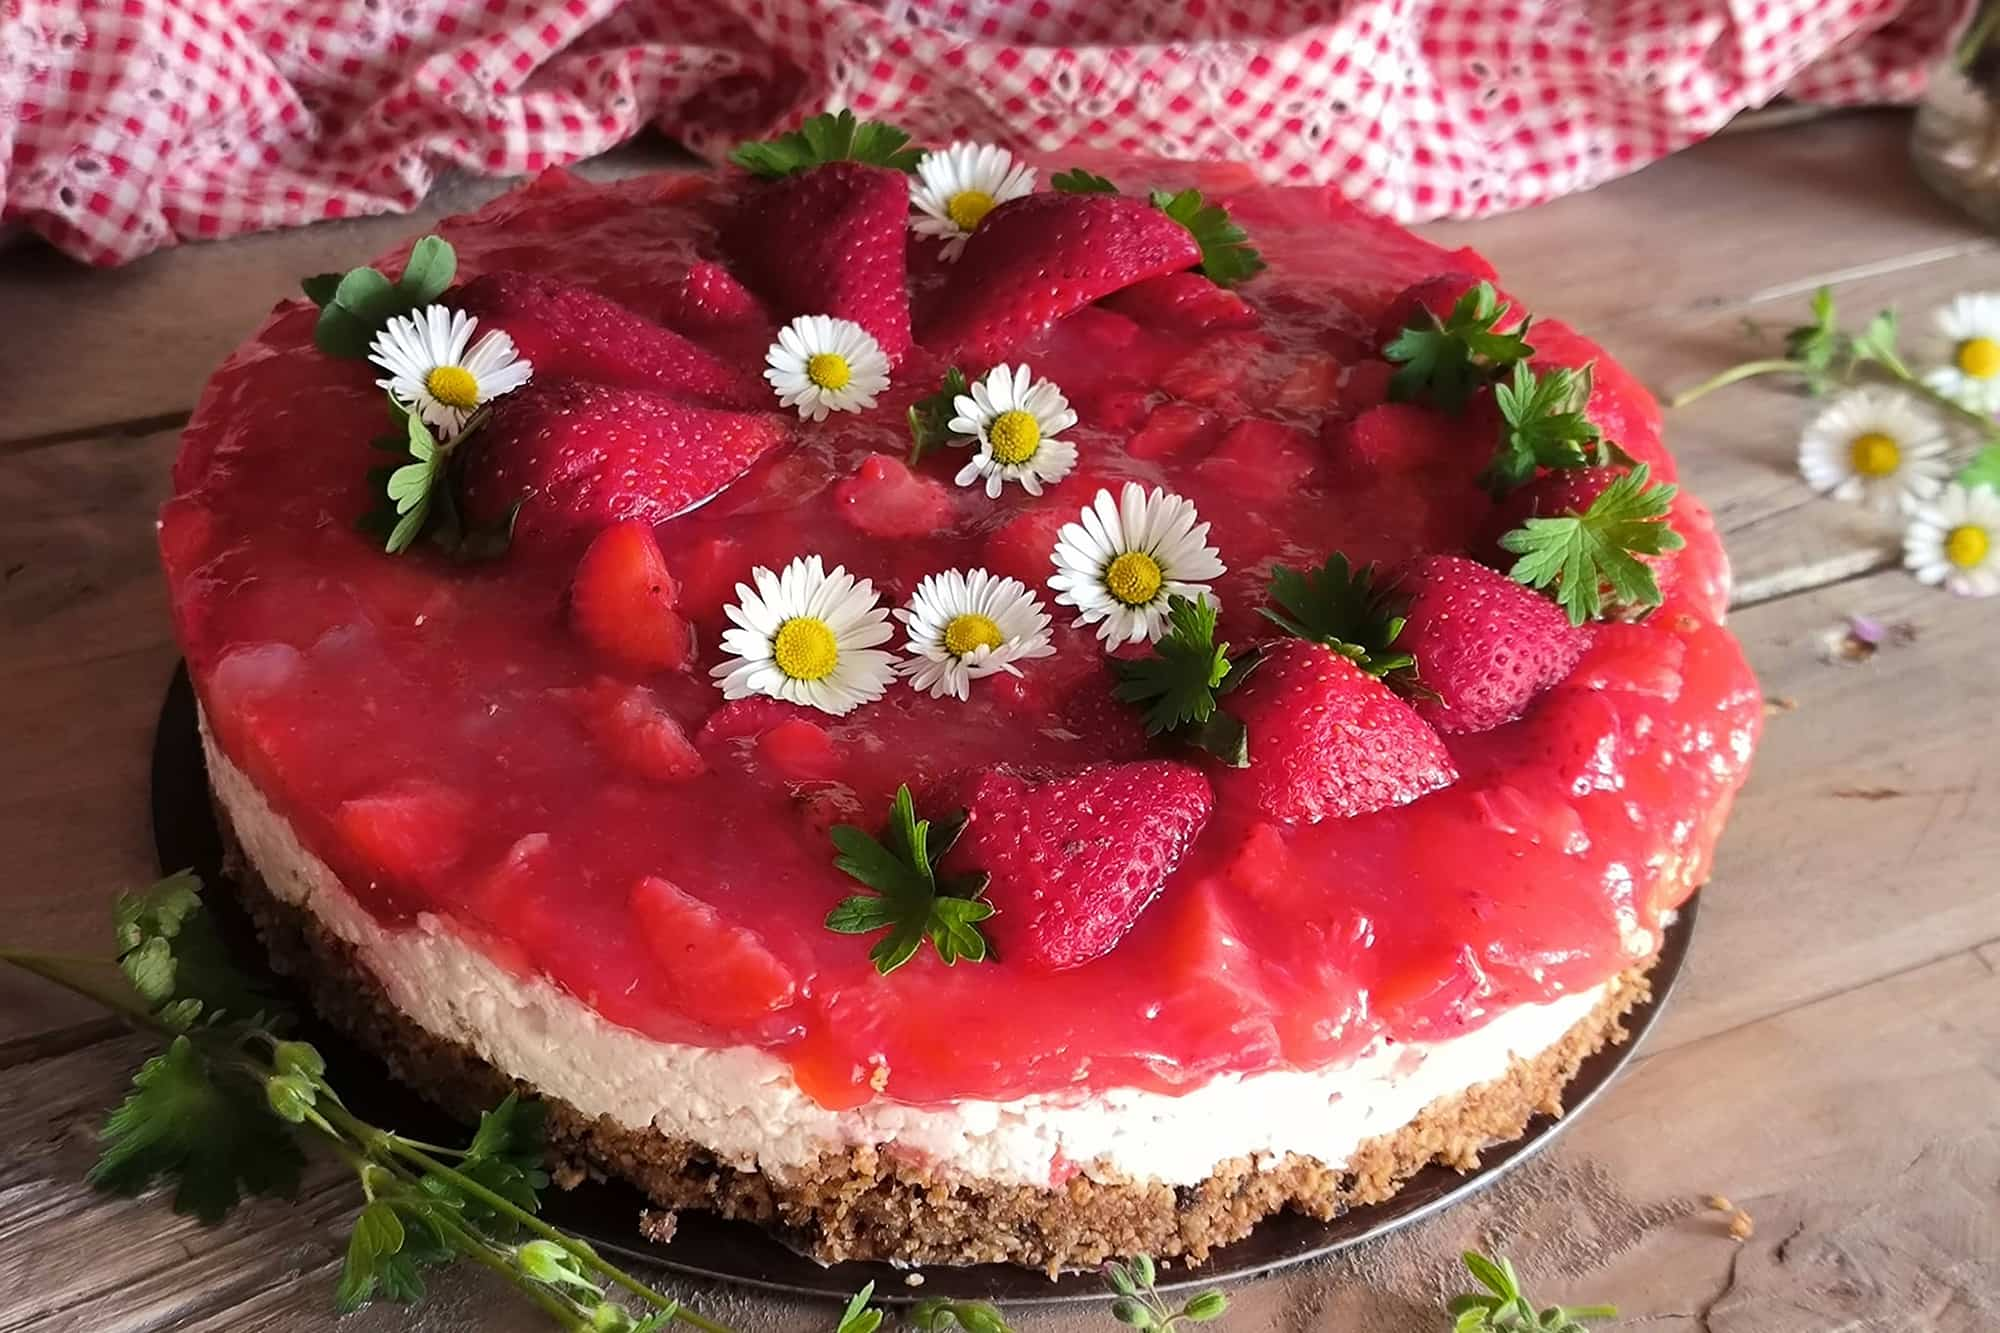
(1831, 1061)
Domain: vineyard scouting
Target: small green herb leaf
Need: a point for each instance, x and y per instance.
(171, 954)
(836, 137)
(1078, 181)
(857, 1317)
(1226, 255)
(1591, 560)
(939, 1315)
(354, 306)
(1179, 684)
(910, 900)
(1544, 425)
(1441, 361)
(930, 416)
(1341, 608)
(1502, 1308)
(1983, 469)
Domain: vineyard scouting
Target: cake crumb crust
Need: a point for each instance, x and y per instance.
(869, 1204)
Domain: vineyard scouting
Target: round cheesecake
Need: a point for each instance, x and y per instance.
(513, 840)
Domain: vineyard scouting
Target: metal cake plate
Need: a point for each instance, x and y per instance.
(185, 835)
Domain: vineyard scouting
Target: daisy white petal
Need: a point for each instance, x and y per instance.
(438, 372)
(1955, 540)
(956, 187)
(1017, 421)
(967, 624)
(821, 364)
(1125, 556)
(807, 636)
(1967, 349)
(1875, 447)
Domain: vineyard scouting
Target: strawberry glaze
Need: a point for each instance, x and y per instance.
(440, 737)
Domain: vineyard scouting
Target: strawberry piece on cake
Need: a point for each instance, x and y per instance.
(1074, 856)
(719, 972)
(622, 599)
(633, 729)
(583, 455)
(1485, 645)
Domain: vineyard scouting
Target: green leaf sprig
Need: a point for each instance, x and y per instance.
(1227, 257)
(1543, 425)
(835, 137)
(417, 499)
(930, 416)
(1502, 1308)
(910, 900)
(1139, 1305)
(1342, 609)
(1442, 361)
(1180, 684)
(940, 1315)
(355, 305)
(1590, 561)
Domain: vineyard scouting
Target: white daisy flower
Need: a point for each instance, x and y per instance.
(1969, 330)
(955, 188)
(1875, 447)
(965, 624)
(1955, 540)
(821, 364)
(432, 372)
(1123, 558)
(1017, 420)
(807, 637)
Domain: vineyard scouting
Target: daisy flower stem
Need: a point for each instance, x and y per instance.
(1989, 430)
(1733, 375)
(1894, 369)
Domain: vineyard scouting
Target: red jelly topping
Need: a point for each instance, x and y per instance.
(448, 742)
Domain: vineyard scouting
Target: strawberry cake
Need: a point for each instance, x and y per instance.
(956, 709)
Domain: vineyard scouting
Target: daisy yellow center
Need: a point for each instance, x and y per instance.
(969, 631)
(1014, 435)
(1979, 358)
(968, 208)
(454, 386)
(1134, 578)
(1875, 454)
(829, 370)
(804, 649)
(1966, 546)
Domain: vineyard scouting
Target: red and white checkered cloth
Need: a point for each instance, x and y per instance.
(126, 125)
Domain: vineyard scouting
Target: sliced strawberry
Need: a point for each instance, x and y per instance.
(751, 716)
(588, 455)
(708, 300)
(1216, 368)
(1314, 385)
(569, 331)
(412, 832)
(884, 498)
(1260, 460)
(1170, 429)
(1037, 258)
(715, 970)
(830, 241)
(1075, 855)
(1484, 644)
(796, 748)
(621, 601)
(1328, 739)
(633, 729)
(1185, 302)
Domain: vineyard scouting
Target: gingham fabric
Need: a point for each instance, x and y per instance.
(126, 125)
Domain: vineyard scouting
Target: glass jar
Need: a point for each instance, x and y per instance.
(1956, 142)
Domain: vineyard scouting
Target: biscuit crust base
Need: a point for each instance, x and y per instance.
(866, 1204)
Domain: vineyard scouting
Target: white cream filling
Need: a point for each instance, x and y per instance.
(742, 1103)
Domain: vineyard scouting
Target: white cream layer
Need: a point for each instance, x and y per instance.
(742, 1103)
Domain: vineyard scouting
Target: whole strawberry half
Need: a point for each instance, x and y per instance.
(588, 455)
(830, 240)
(1040, 257)
(622, 601)
(1075, 855)
(1554, 494)
(1484, 644)
(1328, 740)
(567, 331)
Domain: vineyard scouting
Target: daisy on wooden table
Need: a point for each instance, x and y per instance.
(955, 188)
(1123, 558)
(1018, 421)
(821, 364)
(1955, 540)
(1875, 447)
(968, 624)
(808, 637)
(1969, 334)
(438, 372)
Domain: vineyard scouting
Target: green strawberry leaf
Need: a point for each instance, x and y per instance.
(837, 137)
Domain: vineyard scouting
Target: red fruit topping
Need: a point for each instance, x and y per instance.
(414, 830)
(1022, 547)
(1484, 644)
(752, 716)
(1075, 855)
(1037, 258)
(1632, 659)
(1328, 739)
(569, 331)
(830, 241)
(1404, 438)
(710, 571)
(588, 455)
(1110, 724)
(884, 498)
(1215, 367)
(715, 970)
(621, 601)
(1314, 386)
(1185, 301)
(1261, 460)
(1170, 429)
(800, 749)
(633, 729)
(1436, 295)
(709, 300)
